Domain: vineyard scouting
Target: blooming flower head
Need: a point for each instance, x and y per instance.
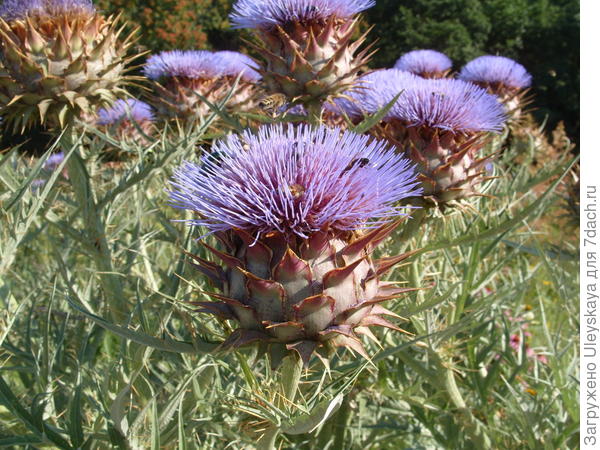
(496, 70)
(425, 63)
(448, 104)
(234, 64)
(20, 9)
(373, 91)
(182, 75)
(125, 110)
(54, 161)
(270, 13)
(296, 181)
(191, 64)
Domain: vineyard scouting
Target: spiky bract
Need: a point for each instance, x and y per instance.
(425, 63)
(61, 62)
(183, 76)
(307, 45)
(291, 207)
(442, 125)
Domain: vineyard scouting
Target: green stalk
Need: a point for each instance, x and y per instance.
(94, 227)
(268, 439)
(341, 422)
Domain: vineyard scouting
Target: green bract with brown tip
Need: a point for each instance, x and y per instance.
(59, 68)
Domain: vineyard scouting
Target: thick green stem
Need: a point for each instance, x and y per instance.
(94, 228)
(414, 224)
(341, 422)
(314, 110)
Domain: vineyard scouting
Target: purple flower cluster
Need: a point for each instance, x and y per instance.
(137, 110)
(19, 9)
(424, 62)
(270, 13)
(200, 64)
(294, 180)
(447, 104)
(496, 70)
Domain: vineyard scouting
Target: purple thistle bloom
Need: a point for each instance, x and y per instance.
(19, 9)
(192, 64)
(235, 63)
(373, 91)
(201, 64)
(496, 70)
(124, 110)
(424, 62)
(269, 13)
(295, 180)
(448, 104)
(54, 161)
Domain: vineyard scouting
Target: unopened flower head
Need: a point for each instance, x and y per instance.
(20, 9)
(425, 63)
(61, 61)
(295, 181)
(129, 109)
(496, 70)
(270, 13)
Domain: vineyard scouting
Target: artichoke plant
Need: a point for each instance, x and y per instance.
(291, 209)
(503, 77)
(61, 60)
(184, 77)
(307, 45)
(425, 63)
(440, 124)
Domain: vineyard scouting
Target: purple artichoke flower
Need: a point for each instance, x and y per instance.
(270, 13)
(189, 64)
(292, 207)
(125, 119)
(448, 104)
(20, 9)
(307, 45)
(372, 92)
(442, 125)
(503, 77)
(234, 64)
(252, 185)
(496, 70)
(126, 110)
(182, 75)
(425, 63)
(54, 161)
